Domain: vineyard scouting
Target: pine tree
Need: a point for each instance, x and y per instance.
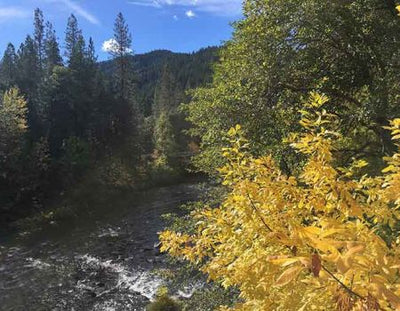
(121, 54)
(29, 79)
(124, 110)
(28, 68)
(91, 66)
(77, 59)
(41, 102)
(73, 38)
(91, 52)
(39, 37)
(8, 67)
(52, 49)
(62, 98)
(168, 95)
(164, 139)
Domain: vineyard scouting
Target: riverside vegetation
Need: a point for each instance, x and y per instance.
(308, 218)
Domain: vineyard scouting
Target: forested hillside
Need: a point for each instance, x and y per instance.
(65, 116)
(188, 70)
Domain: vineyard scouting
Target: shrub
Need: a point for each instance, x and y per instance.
(323, 239)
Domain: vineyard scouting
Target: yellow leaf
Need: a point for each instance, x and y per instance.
(288, 275)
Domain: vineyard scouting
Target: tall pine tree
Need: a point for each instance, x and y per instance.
(52, 49)
(8, 68)
(73, 39)
(168, 93)
(39, 37)
(28, 66)
(121, 53)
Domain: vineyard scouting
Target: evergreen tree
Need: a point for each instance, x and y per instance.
(95, 85)
(91, 52)
(73, 38)
(168, 94)
(28, 68)
(62, 108)
(41, 101)
(164, 139)
(121, 53)
(52, 49)
(39, 37)
(77, 59)
(124, 109)
(79, 88)
(8, 67)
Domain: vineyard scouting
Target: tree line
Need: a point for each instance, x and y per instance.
(62, 112)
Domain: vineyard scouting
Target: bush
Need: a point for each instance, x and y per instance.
(164, 303)
(324, 239)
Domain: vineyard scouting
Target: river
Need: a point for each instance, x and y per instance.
(106, 263)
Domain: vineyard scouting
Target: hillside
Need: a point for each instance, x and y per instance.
(189, 70)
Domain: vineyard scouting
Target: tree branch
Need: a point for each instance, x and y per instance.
(349, 290)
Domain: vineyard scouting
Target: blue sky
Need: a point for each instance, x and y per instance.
(177, 25)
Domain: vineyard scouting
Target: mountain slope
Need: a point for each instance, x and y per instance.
(189, 70)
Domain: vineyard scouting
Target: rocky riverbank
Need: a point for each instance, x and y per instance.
(107, 264)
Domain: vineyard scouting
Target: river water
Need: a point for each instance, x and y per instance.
(103, 264)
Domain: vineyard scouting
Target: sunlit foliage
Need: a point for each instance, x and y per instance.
(283, 49)
(319, 240)
(13, 127)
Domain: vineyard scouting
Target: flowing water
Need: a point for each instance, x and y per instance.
(107, 264)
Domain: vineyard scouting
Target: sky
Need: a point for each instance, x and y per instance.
(176, 25)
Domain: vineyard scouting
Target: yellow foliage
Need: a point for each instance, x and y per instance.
(13, 110)
(306, 242)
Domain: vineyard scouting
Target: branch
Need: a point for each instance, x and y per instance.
(259, 214)
(268, 228)
(349, 290)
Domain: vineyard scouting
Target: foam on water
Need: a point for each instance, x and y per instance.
(109, 233)
(36, 263)
(142, 282)
(188, 291)
(112, 305)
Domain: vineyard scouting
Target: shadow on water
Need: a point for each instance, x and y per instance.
(101, 262)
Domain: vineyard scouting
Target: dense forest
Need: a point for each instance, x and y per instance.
(63, 113)
(186, 71)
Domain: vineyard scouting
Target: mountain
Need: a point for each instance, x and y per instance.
(189, 70)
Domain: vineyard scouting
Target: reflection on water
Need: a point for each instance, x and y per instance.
(105, 265)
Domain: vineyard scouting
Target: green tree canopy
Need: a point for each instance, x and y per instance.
(281, 51)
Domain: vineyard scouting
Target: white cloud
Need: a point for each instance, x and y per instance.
(81, 12)
(190, 14)
(111, 46)
(7, 13)
(175, 17)
(76, 9)
(216, 7)
(152, 3)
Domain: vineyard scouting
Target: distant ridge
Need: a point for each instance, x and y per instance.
(190, 70)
